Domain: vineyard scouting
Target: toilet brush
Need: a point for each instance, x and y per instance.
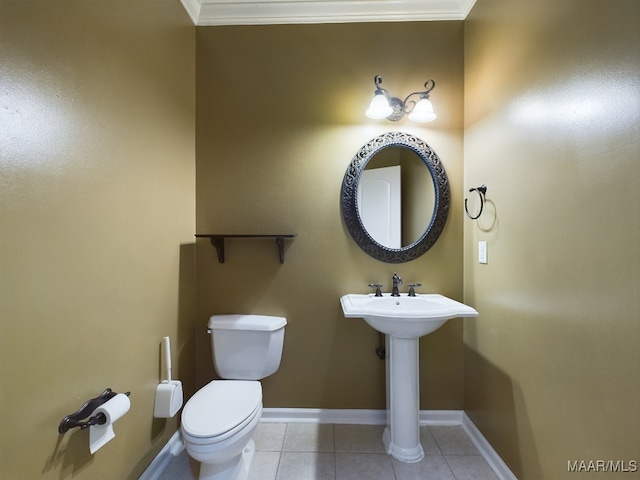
(168, 392)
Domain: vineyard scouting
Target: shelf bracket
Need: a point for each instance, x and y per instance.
(218, 242)
(280, 244)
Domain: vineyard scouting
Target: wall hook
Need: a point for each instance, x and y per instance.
(482, 191)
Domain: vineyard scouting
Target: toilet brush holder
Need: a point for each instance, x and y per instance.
(169, 395)
(168, 399)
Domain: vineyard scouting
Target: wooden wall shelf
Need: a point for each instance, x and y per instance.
(217, 240)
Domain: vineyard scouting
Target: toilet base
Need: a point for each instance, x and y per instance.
(236, 468)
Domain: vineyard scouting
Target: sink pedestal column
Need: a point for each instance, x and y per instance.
(402, 435)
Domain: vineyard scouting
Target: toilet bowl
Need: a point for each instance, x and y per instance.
(219, 420)
(217, 425)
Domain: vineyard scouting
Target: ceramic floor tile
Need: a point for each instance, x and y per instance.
(309, 437)
(264, 466)
(363, 466)
(306, 466)
(359, 438)
(429, 444)
(470, 467)
(431, 467)
(281, 454)
(453, 440)
(181, 467)
(269, 437)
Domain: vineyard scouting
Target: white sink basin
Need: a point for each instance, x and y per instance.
(404, 316)
(404, 319)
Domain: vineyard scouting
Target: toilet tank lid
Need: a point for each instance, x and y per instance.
(246, 322)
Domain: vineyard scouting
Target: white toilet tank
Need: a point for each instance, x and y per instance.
(246, 347)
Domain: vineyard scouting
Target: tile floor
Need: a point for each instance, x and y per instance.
(300, 451)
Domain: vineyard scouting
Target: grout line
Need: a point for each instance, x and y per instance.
(436, 440)
(278, 467)
(449, 465)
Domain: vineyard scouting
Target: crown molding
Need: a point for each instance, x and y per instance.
(265, 12)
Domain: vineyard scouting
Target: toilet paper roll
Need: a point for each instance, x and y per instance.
(113, 409)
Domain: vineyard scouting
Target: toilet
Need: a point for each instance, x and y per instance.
(219, 420)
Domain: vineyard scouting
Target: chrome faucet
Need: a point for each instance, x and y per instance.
(397, 280)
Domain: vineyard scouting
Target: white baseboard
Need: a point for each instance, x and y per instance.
(173, 447)
(350, 416)
(493, 459)
(321, 415)
(440, 417)
(354, 416)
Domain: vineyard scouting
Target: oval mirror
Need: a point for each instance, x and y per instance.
(395, 197)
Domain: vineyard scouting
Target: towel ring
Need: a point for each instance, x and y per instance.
(482, 191)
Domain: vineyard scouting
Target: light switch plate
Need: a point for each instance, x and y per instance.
(482, 252)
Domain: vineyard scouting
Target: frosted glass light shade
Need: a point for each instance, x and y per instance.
(379, 108)
(422, 112)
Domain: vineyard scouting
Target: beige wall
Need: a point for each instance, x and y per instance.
(552, 95)
(97, 176)
(280, 115)
(97, 193)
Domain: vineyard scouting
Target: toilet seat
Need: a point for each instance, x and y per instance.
(220, 409)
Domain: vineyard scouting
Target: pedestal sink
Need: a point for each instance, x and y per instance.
(404, 320)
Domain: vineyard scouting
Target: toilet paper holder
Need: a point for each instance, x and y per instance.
(76, 419)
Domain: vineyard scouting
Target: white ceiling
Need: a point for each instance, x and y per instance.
(263, 12)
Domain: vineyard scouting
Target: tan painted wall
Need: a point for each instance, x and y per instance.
(97, 195)
(97, 154)
(552, 95)
(280, 115)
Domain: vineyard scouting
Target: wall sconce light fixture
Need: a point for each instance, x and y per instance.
(383, 105)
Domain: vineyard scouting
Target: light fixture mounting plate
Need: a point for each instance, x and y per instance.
(398, 109)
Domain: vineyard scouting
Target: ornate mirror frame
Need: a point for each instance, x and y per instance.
(349, 195)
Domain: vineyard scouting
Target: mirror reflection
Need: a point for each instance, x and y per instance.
(396, 197)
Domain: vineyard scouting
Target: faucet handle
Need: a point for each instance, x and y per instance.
(377, 287)
(412, 292)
